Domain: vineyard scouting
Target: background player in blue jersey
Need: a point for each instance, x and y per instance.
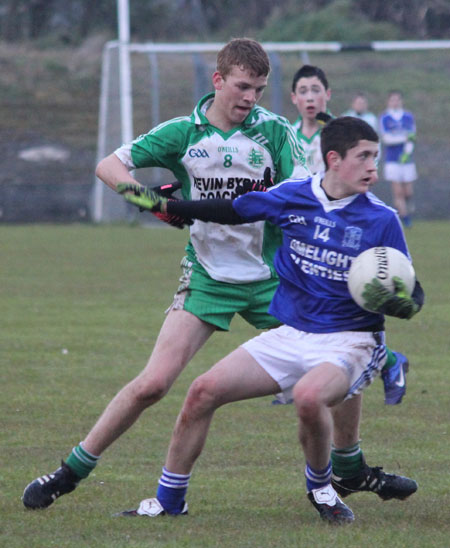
(398, 135)
(329, 349)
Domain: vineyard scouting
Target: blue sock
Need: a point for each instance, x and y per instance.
(172, 490)
(407, 221)
(316, 479)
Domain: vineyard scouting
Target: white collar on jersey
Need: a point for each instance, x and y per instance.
(396, 114)
(327, 204)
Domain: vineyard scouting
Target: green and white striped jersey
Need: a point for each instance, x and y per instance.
(311, 147)
(210, 163)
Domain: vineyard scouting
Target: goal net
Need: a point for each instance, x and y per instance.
(145, 84)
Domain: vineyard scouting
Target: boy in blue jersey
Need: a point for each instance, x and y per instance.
(329, 349)
(310, 94)
(398, 135)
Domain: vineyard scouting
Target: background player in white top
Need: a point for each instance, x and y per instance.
(360, 109)
(227, 140)
(398, 135)
(329, 349)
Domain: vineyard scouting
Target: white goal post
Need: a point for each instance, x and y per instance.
(122, 84)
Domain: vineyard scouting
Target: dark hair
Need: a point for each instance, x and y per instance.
(244, 53)
(343, 133)
(308, 71)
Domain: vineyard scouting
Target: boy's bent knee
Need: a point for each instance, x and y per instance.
(149, 391)
(202, 395)
(307, 402)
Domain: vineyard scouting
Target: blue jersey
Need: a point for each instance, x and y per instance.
(321, 237)
(396, 127)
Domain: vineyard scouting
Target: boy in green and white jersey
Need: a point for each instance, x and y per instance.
(226, 141)
(310, 94)
(210, 162)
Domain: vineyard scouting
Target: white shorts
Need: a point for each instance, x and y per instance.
(287, 354)
(400, 173)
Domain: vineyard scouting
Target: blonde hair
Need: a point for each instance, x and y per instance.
(244, 53)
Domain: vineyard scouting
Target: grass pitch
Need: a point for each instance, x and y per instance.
(80, 309)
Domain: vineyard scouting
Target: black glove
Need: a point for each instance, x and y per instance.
(150, 199)
(166, 191)
(141, 196)
(323, 117)
(249, 186)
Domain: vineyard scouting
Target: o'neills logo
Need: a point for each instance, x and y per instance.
(382, 262)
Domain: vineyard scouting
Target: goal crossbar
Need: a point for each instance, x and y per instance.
(116, 206)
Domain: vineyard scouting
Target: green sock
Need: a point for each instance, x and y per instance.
(81, 461)
(348, 461)
(390, 360)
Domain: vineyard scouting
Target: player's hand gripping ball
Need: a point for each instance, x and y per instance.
(381, 280)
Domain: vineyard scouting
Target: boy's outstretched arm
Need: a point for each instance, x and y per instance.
(216, 210)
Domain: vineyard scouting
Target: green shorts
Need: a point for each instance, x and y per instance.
(217, 302)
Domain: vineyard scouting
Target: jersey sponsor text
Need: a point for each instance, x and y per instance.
(322, 255)
(219, 187)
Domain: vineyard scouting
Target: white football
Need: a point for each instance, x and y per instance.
(382, 263)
